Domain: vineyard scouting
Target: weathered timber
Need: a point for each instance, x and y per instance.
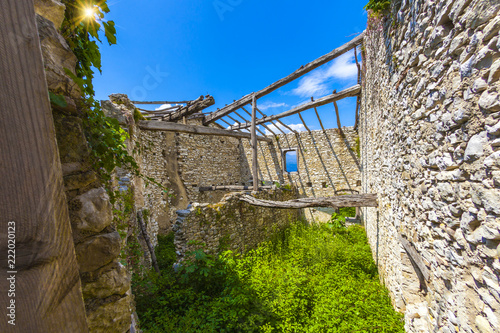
(231, 188)
(160, 102)
(416, 258)
(145, 235)
(280, 83)
(317, 115)
(286, 126)
(192, 107)
(355, 200)
(349, 92)
(304, 123)
(255, 162)
(33, 209)
(193, 129)
(165, 110)
(338, 117)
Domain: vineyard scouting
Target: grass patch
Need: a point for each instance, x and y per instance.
(305, 279)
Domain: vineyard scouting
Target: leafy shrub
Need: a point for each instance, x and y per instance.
(377, 6)
(305, 279)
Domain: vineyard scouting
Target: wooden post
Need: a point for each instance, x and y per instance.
(338, 116)
(255, 165)
(34, 218)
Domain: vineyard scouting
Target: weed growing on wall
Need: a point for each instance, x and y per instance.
(305, 279)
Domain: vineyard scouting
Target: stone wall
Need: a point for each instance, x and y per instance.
(232, 224)
(105, 281)
(328, 164)
(429, 128)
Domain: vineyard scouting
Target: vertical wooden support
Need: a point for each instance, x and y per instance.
(356, 121)
(255, 165)
(42, 271)
(338, 116)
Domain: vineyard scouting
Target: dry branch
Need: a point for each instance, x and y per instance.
(357, 200)
(148, 241)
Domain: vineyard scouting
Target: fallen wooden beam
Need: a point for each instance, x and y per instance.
(349, 92)
(154, 125)
(192, 107)
(231, 188)
(356, 200)
(280, 83)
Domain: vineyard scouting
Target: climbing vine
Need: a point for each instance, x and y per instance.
(84, 27)
(377, 6)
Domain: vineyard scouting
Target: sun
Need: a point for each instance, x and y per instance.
(89, 12)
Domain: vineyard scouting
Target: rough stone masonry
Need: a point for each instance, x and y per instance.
(430, 138)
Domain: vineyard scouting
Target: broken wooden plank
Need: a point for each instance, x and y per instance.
(280, 83)
(193, 107)
(349, 92)
(355, 200)
(193, 129)
(415, 257)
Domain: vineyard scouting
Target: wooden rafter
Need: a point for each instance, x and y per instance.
(278, 84)
(193, 129)
(317, 115)
(304, 123)
(349, 92)
(193, 107)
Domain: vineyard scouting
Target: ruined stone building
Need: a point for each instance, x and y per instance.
(426, 143)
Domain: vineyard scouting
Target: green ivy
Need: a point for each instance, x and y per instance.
(377, 6)
(105, 137)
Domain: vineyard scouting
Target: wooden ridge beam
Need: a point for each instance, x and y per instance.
(349, 92)
(193, 129)
(193, 107)
(355, 200)
(280, 83)
(160, 102)
(231, 188)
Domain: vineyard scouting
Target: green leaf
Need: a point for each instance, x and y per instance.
(57, 100)
(110, 32)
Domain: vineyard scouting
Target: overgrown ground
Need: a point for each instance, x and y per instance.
(305, 279)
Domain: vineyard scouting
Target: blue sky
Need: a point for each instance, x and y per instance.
(179, 50)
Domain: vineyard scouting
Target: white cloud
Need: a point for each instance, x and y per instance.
(270, 105)
(165, 106)
(274, 128)
(318, 82)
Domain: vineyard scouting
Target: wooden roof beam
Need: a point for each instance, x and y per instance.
(193, 129)
(349, 92)
(280, 83)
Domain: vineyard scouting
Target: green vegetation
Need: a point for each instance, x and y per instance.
(377, 6)
(304, 279)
